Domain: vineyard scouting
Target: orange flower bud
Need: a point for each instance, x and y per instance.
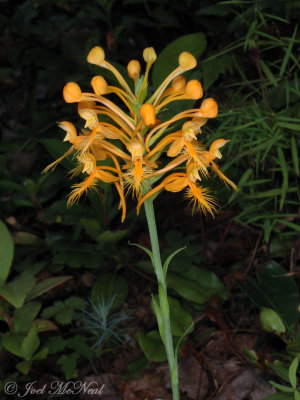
(147, 113)
(133, 68)
(72, 92)
(149, 55)
(178, 83)
(187, 60)
(209, 108)
(96, 55)
(194, 89)
(99, 85)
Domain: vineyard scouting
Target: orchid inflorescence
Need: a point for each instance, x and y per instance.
(134, 140)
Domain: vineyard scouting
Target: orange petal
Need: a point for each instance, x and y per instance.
(176, 147)
(177, 184)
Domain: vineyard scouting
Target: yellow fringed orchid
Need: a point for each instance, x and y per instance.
(133, 137)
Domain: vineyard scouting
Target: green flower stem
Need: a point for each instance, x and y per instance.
(163, 299)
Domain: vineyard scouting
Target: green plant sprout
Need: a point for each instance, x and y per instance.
(99, 320)
(128, 148)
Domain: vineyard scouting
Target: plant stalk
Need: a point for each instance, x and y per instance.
(163, 299)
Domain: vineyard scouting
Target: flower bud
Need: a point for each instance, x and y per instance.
(149, 55)
(133, 68)
(178, 83)
(96, 55)
(187, 61)
(147, 113)
(99, 85)
(194, 89)
(209, 108)
(72, 92)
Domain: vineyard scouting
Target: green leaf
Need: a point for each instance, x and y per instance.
(112, 237)
(285, 389)
(152, 346)
(167, 60)
(167, 262)
(46, 285)
(68, 365)
(24, 366)
(275, 290)
(78, 343)
(57, 148)
(181, 320)
(187, 289)
(24, 316)
(268, 73)
(280, 368)
(293, 372)
(288, 52)
(41, 355)
(44, 325)
(26, 238)
(294, 151)
(296, 395)
(149, 252)
(13, 344)
(65, 316)
(55, 344)
(271, 321)
(30, 344)
(194, 283)
(279, 396)
(6, 252)
(51, 311)
(75, 302)
(285, 175)
(251, 355)
(211, 70)
(16, 291)
(136, 367)
(157, 312)
(109, 285)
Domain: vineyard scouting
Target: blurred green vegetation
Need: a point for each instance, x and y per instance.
(249, 64)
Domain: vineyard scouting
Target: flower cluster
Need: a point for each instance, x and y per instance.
(132, 141)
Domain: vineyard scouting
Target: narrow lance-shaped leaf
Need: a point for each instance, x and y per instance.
(293, 372)
(167, 262)
(294, 150)
(285, 175)
(156, 309)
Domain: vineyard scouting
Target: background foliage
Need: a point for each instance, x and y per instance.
(248, 61)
